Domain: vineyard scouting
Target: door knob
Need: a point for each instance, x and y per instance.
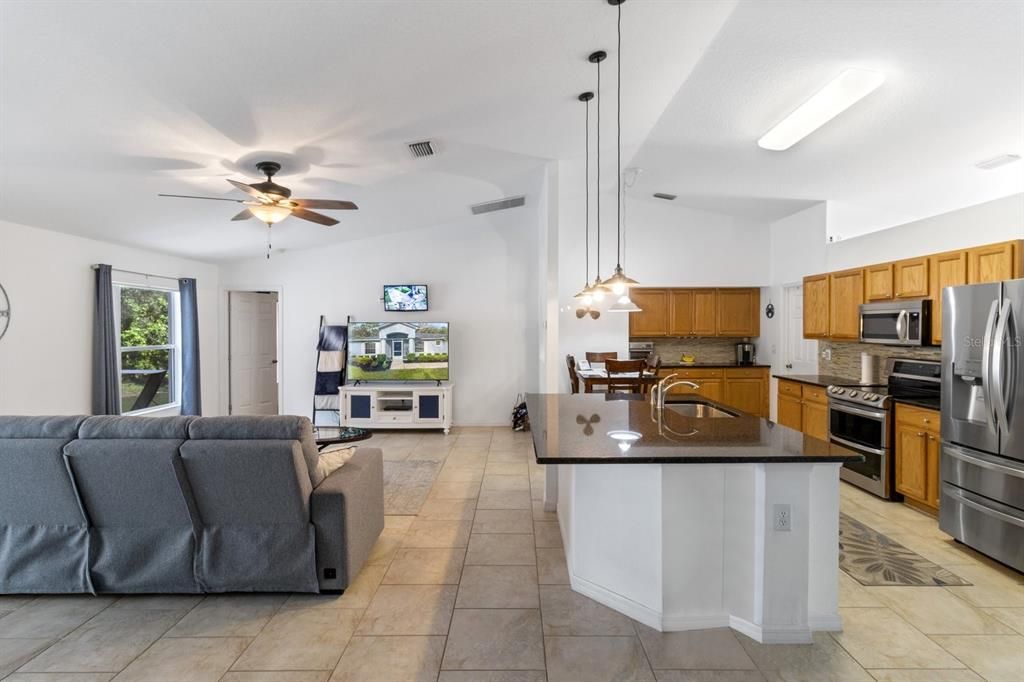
(273, 362)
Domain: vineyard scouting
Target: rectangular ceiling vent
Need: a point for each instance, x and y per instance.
(421, 149)
(997, 161)
(666, 197)
(499, 205)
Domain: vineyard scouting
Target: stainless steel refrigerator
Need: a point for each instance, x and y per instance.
(982, 463)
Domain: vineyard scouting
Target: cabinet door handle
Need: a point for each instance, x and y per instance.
(920, 434)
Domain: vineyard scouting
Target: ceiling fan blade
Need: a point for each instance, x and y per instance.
(243, 215)
(189, 196)
(251, 191)
(314, 217)
(326, 203)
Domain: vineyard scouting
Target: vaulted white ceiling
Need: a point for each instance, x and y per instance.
(106, 104)
(954, 95)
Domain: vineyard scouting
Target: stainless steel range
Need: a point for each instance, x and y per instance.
(861, 418)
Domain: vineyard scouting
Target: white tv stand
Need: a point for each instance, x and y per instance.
(397, 406)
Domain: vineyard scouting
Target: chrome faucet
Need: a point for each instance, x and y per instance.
(659, 391)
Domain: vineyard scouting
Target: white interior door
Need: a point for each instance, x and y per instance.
(253, 352)
(799, 355)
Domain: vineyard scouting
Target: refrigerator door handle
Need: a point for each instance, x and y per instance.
(983, 461)
(998, 366)
(986, 367)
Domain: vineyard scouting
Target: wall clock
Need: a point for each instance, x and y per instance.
(5, 311)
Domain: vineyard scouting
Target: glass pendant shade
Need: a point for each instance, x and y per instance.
(270, 213)
(624, 305)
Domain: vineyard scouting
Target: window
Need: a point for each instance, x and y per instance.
(150, 346)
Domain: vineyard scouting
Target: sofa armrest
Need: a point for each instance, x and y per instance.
(347, 511)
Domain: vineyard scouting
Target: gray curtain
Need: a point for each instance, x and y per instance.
(106, 386)
(191, 400)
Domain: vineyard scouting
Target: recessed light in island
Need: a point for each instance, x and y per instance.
(667, 513)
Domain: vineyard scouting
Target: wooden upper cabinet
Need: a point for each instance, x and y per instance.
(654, 315)
(994, 262)
(878, 282)
(846, 293)
(680, 312)
(945, 270)
(705, 311)
(816, 304)
(738, 312)
(910, 278)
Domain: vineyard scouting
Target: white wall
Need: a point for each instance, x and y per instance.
(46, 356)
(994, 221)
(483, 275)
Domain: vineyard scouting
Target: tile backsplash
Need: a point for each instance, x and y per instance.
(845, 360)
(703, 349)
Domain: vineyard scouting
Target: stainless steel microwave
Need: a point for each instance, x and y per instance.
(897, 323)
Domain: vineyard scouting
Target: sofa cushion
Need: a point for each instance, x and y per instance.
(135, 427)
(40, 427)
(277, 427)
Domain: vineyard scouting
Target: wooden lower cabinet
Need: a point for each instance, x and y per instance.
(747, 390)
(814, 419)
(917, 455)
(708, 388)
(791, 412)
(804, 408)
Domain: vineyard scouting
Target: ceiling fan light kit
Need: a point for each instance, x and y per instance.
(270, 203)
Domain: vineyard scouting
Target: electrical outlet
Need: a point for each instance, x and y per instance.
(783, 517)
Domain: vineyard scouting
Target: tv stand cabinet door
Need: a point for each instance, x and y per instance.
(429, 407)
(359, 408)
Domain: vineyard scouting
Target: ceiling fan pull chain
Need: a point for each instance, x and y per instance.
(268, 240)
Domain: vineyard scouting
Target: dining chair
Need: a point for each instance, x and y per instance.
(630, 375)
(653, 366)
(574, 378)
(601, 357)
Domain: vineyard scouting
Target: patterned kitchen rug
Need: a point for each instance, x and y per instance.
(873, 559)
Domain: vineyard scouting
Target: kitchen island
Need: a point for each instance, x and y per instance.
(694, 516)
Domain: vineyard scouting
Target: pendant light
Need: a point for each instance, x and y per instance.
(598, 288)
(619, 282)
(586, 295)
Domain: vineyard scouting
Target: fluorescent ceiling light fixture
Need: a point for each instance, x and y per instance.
(997, 161)
(848, 88)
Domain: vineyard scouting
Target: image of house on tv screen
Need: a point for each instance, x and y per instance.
(398, 351)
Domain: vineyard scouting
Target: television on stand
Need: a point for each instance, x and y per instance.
(397, 351)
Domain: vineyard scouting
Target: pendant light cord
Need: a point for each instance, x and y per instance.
(618, 143)
(586, 183)
(597, 262)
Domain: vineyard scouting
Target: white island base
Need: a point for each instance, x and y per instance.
(693, 546)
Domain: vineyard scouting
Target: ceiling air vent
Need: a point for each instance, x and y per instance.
(421, 149)
(997, 161)
(499, 205)
(666, 197)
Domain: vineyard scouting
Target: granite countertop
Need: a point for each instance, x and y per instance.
(823, 380)
(591, 429)
(707, 365)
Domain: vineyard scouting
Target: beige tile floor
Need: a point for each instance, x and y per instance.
(474, 589)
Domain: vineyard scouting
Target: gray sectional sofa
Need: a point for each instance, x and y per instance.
(180, 504)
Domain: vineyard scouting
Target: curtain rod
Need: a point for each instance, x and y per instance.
(144, 274)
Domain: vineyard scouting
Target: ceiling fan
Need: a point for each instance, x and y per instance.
(271, 203)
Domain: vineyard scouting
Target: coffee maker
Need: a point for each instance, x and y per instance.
(745, 353)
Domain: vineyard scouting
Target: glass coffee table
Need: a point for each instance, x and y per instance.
(333, 435)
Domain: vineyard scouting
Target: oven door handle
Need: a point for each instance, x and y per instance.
(857, 446)
(873, 414)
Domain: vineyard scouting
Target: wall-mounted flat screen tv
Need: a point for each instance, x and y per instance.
(398, 351)
(405, 297)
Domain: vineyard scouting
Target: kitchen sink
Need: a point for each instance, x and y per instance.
(698, 410)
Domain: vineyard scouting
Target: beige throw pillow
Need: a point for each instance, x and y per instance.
(333, 457)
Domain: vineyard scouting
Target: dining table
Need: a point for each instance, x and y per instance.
(598, 376)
